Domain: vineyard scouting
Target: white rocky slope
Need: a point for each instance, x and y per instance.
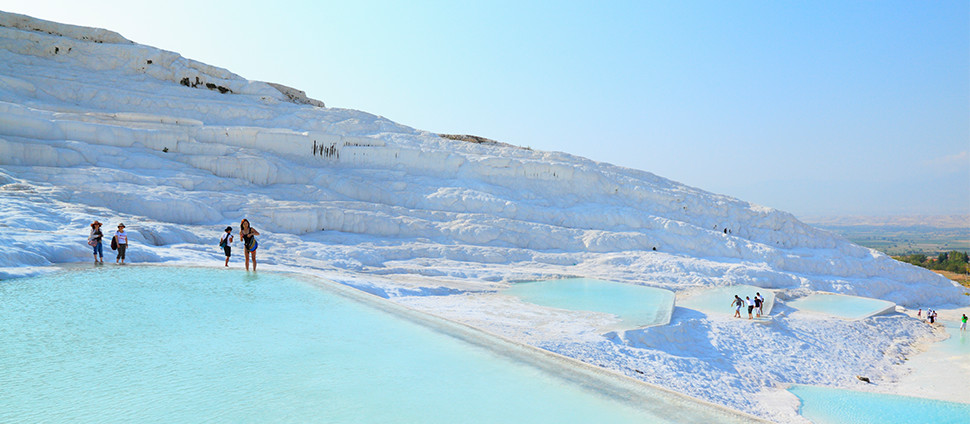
(93, 126)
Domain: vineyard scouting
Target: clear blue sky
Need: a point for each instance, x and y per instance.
(817, 108)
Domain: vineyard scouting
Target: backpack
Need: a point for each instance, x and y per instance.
(223, 241)
(114, 242)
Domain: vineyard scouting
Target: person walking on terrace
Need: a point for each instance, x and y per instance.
(250, 244)
(737, 304)
(759, 304)
(224, 242)
(94, 240)
(750, 305)
(963, 323)
(121, 237)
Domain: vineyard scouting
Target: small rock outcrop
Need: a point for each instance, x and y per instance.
(296, 96)
(475, 139)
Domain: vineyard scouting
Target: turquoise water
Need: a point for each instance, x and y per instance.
(718, 300)
(957, 345)
(835, 406)
(844, 306)
(154, 344)
(636, 306)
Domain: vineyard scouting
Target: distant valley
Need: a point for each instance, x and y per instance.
(902, 235)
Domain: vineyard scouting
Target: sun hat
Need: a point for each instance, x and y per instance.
(121, 225)
(95, 223)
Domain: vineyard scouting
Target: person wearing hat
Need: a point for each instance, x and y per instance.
(224, 243)
(121, 237)
(94, 240)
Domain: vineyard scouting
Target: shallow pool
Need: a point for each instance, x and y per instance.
(635, 306)
(824, 405)
(160, 344)
(718, 300)
(958, 344)
(843, 306)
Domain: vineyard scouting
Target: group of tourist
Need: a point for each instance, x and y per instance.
(932, 316)
(756, 305)
(119, 243)
(248, 234)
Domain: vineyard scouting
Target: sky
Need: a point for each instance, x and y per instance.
(817, 108)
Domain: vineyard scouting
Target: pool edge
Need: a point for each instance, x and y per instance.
(610, 383)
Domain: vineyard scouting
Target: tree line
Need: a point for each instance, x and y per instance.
(952, 261)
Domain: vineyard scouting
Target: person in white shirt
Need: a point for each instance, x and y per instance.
(225, 241)
(121, 237)
(750, 303)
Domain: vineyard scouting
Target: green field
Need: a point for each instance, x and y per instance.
(905, 240)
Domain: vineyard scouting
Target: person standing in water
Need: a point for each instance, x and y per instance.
(757, 304)
(250, 244)
(750, 306)
(737, 304)
(94, 240)
(963, 323)
(121, 237)
(224, 241)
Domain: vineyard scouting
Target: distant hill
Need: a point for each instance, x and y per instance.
(934, 221)
(902, 235)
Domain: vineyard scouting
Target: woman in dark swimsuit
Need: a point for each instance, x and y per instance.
(248, 235)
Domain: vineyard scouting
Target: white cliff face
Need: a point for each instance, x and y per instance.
(86, 109)
(93, 126)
